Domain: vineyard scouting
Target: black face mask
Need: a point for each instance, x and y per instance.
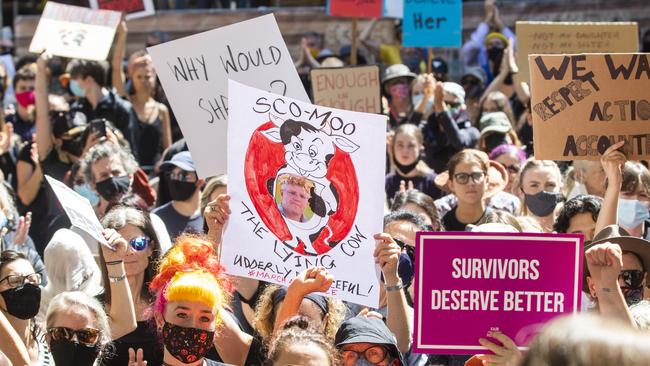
(22, 302)
(68, 353)
(495, 54)
(181, 191)
(542, 204)
(73, 146)
(405, 169)
(113, 187)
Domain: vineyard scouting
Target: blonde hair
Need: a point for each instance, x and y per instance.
(295, 180)
(191, 272)
(79, 301)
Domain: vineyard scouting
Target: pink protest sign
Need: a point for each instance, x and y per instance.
(470, 283)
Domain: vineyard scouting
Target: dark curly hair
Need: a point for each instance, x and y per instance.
(579, 204)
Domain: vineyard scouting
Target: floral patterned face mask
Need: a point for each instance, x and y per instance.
(187, 345)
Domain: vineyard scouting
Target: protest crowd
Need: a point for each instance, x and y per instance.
(152, 288)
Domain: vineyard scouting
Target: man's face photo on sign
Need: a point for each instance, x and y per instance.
(292, 195)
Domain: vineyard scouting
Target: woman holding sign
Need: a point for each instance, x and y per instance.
(468, 179)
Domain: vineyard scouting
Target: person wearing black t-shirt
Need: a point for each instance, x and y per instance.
(88, 83)
(468, 180)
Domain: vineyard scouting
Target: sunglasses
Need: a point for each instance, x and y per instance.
(410, 251)
(463, 178)
(139, 243)
(87, 336)
(633, 278)
(374, 354)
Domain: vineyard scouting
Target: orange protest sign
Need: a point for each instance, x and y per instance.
(350, 88)
(554, 38)
(582, 104)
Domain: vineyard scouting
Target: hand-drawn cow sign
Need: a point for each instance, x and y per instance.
(321, 158)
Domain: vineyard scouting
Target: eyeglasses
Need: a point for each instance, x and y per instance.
(182, 176)
(410, 251)
(19, 281)
(633, 278)
(87, 336)
(514, 169)
(139, 243)
(463, 178)
(374, 354)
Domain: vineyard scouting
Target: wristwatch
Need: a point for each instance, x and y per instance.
(397, 287)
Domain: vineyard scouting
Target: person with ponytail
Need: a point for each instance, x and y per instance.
(409, 168)
(190, 292)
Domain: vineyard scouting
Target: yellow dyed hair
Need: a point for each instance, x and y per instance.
(191, 272)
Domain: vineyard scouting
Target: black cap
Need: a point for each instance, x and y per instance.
(361, 329)
(439, 66)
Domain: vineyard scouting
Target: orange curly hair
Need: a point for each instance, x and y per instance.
(190, 271)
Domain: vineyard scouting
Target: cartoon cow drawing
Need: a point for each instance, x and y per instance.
(308, 151)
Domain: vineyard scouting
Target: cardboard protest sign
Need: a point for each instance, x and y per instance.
(79, 210)
(75, 32)
(351, 88)
(471, 283)
(194, 73)
(133, 8)
(394, 9)
(432, 23)
(303, 192)
(582, 104)
(572, 37)
(355, 8)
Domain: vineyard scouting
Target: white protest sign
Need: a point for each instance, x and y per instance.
(75, 32)
(79, 210)
(304, 188)
(133, 8)
(194, 73)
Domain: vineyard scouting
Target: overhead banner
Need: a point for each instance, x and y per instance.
(471, 283)
(355, 8)
(572, 38)
(303, 193)
(582, 104)
(79, 210)
(75, 32)
(432, 23)
(132, 8)
(351, 88)
(194, 73)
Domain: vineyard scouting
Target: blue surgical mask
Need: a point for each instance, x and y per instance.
(417, 98)
(85, 191)
(631, 213)
(76, 89)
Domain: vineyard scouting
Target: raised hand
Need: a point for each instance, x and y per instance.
(604, 262)
(315, 279)
(612, 162)
(22, 228)
(136, 358)
(387, 257)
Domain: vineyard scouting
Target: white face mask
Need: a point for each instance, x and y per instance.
(417, 98)
(632, 213)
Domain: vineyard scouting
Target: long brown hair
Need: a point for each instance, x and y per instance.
(414, 131)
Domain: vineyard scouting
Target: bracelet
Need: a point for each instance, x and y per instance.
(114, 262)
(399, 286)
(117, 279)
